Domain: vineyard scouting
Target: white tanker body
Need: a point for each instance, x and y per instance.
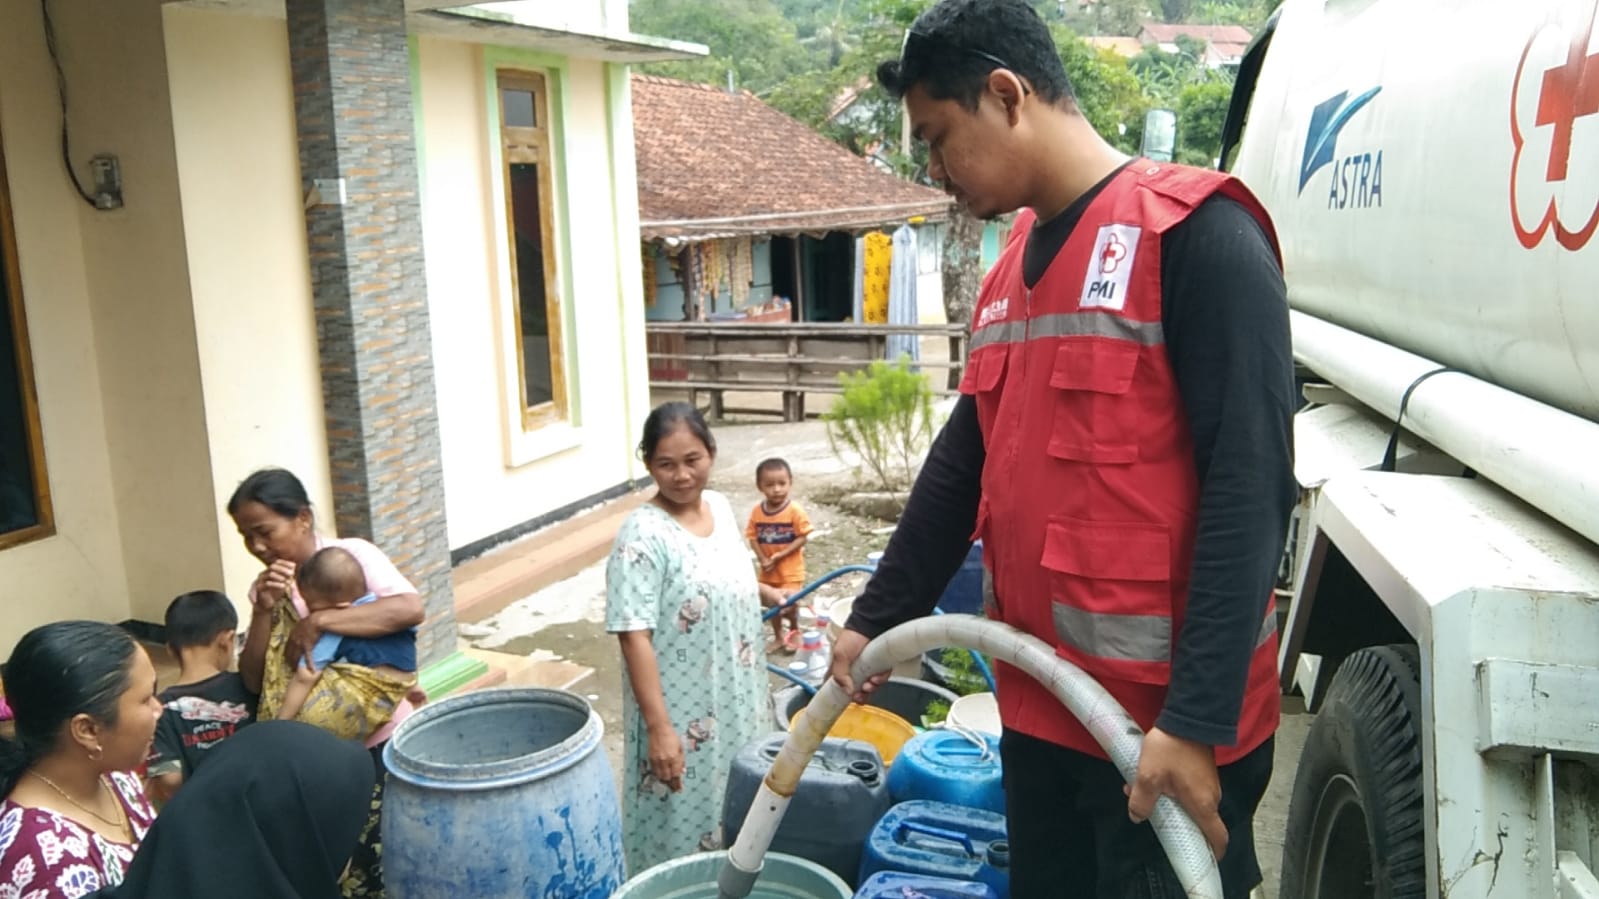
(1433, 171)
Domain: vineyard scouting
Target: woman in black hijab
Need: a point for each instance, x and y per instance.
(274, 813)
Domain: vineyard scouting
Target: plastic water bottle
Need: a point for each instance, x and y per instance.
(817, 655)
(823, 660)
(800, 670)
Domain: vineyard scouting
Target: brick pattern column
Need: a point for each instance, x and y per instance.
(352, 98)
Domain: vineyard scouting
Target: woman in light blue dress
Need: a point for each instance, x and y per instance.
(681, 596)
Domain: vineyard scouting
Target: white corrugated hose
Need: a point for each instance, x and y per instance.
(1105, 719)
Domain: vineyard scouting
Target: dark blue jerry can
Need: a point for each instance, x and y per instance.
(938, 839)
(841, 794)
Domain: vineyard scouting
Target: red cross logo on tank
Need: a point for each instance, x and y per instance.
(1554, 123)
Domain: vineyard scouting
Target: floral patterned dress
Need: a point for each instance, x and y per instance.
(46, 856)
(697, 595)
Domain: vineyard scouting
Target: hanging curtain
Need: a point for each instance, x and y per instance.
(858, 288)
(902, 295)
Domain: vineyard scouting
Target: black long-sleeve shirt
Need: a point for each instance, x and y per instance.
(1224, 312)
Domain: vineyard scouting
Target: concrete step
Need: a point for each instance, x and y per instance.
(486, 585)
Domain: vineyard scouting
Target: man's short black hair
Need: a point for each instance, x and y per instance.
(773, 464)
(953, 47)
(195, 619)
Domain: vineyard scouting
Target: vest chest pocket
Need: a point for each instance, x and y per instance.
(1093, 417)
(1111, 599)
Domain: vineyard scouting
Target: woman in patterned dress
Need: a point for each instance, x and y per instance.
(681, 596)
(84, 698)
(273, 514)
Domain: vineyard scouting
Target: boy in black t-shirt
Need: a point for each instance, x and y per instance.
(209, 701)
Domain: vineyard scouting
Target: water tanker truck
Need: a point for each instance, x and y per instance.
(1433, 171)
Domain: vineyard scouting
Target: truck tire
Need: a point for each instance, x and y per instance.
(1355, 821)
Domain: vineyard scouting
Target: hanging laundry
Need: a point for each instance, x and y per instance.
(651, 277)
(742, 266)
(874, 286)
(694, 283)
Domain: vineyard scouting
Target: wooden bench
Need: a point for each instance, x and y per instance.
(792, 359)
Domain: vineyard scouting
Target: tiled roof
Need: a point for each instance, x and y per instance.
(713, 164)
(1159, 33)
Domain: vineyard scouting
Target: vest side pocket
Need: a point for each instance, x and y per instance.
(1110, 596)
(987, 372)
(1092, 421)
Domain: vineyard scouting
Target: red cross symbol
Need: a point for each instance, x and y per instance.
(1115, 251)
(1570, 92)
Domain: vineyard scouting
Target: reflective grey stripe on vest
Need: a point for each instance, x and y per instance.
(1268, 627)
(1088, 323)
(1121, 638)
(1127, 638)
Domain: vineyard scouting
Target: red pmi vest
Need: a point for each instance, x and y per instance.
(1090, 494)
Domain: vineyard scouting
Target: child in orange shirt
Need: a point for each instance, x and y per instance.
(777, 531)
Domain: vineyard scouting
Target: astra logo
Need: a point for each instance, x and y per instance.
(1357, 177)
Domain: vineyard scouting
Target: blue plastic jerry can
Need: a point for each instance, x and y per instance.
(938, 839)
(949, 766)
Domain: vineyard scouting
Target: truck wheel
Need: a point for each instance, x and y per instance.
(1355, 821)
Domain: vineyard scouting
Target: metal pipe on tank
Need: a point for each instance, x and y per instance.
(1545, 456)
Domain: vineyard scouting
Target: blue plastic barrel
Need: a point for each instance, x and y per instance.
(501, 793)
(897, 885)
(937, 839)
(964, 594)
(694, 877)
(946, 766)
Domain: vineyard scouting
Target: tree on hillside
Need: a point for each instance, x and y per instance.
(1201, 113)
(834, 36)
(1121, 18)
(1176, 11)
(1251, 14)
(750, 38)
(1108, 93)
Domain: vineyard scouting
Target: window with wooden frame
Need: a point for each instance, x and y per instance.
(24, 493)
(527, 145)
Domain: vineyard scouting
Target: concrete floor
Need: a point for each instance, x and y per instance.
(562, 625)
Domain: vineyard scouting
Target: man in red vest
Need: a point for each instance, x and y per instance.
(1122, 449)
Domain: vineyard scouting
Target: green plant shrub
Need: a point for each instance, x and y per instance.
(885, 416)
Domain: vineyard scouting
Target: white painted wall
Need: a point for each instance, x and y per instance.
(79, 572)
(238, 164)
(109, 323)
(496, 474)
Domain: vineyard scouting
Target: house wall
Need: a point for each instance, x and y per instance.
(113, 340)
(498, 475)
(248, 269)
(252, 285)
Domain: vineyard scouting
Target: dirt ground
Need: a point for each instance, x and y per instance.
(565, 620)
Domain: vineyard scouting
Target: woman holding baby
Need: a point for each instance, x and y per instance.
(273, 514)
